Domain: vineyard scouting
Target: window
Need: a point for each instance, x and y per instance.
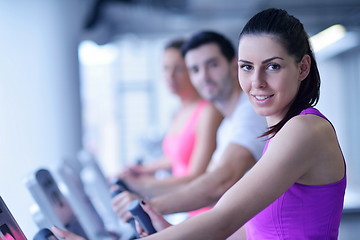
(124, 112)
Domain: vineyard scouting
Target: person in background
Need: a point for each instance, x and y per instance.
(191, 138)
(212, 65)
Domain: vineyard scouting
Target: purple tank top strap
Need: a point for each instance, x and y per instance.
(313, 111)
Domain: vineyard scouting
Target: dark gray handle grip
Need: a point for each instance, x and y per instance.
(44, 234)
(131, 221)
(141, 216)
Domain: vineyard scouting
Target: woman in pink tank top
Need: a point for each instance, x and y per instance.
(179, 146)
(190, 139)
(296, 190)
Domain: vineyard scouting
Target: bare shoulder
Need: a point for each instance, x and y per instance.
(210, 107)
(209, 121)
(301, 139)
(211, 113)
(309, 128)
(314, 145)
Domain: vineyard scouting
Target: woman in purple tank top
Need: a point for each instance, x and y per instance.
(296, 190)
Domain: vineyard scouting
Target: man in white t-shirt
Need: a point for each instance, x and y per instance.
(212, 65)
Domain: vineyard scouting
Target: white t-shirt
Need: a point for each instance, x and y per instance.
(243, 127)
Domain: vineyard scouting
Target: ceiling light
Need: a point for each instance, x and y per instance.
(327, 37)
(92, 54)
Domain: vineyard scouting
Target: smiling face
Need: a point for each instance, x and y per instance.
(210, 72)
(269, 75)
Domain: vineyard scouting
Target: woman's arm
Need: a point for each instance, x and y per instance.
(290, 156)
(205, 144)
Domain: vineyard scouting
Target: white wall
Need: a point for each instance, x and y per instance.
(40, 112)
(340, 87)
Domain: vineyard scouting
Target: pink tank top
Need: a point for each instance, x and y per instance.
(302, 212)
(179, 147)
